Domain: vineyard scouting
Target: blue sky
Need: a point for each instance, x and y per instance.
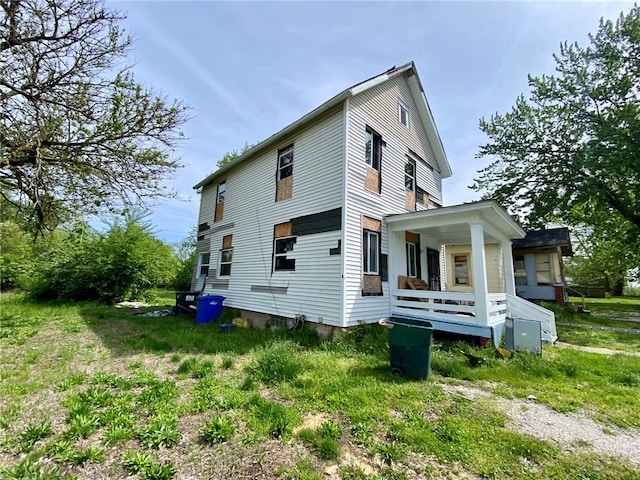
(248, 69)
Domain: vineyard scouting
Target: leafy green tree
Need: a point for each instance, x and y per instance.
(570, 153)
(16, 256)
(185, 252)
(233, 154)
(124, 263)
(573, 146)
(78, 135)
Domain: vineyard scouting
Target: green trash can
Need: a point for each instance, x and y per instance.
(410, 347)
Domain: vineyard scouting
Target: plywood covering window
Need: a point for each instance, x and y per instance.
(283, 244)
(371, 256)
(222, 187)
(284, 175)
(373, 158)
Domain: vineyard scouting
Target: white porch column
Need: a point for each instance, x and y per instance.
(480, 286)
(397, 263)
(509, 275)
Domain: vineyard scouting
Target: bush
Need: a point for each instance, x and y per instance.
(124, 263)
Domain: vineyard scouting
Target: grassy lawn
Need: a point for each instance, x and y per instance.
(89, 391)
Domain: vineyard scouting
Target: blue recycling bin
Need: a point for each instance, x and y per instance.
(209, 308)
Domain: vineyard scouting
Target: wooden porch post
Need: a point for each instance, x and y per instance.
(480, 286)
(509, 275)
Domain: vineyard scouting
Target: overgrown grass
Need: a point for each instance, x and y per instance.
(88, 384)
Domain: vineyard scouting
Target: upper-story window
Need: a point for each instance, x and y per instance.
(285, 162)
(410, 175)
(222, 186)
(373, 149)
(403, 114)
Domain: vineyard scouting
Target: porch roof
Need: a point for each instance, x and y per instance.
(451, 225)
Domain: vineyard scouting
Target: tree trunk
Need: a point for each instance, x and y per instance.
(618, 286)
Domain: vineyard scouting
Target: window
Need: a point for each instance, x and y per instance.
(461, 268)
(373, 149)
(410, 175)
(285, 162)
(224, 262)
(543, 269)
(371, 252)
(403, 114)
(281, 247)
(412, 260)
(203, 264)
(519, 269)
(221, 188)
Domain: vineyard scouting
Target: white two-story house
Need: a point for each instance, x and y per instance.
(338, 219)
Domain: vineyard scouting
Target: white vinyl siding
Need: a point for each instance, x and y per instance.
(378, 109)
(314, 288)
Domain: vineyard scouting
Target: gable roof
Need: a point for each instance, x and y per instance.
(416, 90)
(550, 237)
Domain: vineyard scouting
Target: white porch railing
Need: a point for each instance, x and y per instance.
(520, 308)
(454, 307)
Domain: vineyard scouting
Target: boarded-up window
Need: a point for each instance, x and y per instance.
(373, 157)
(543, 269)
(284, 175)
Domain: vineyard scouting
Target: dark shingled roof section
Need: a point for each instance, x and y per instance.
(550, 237)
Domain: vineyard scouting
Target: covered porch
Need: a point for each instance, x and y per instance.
(471, 291)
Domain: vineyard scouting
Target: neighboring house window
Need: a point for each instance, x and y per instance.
(224, 263)
(520, 270)
(222, 186)
(203, 264)
(461, 269)
(373, 149)
(403, 114)
(412, 260)
(410, 175)
(543, 269)
(371, 252)
(283, 243)
(284, 175)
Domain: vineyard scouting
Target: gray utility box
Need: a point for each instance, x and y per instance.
(523, 334)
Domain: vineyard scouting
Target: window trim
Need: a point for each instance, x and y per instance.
(467, 263)
(221, 263)
(410, 162)
(366, 248)
(202, 264)
(402, 107)
(222, 188)
(283, 152)
(370, 156)
(284, 255)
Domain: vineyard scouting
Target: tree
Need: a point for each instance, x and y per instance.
(233, 154)
(77, 133)
(121, 264)
(571, 152)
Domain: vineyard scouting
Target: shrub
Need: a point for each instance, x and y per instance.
(278, 362)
